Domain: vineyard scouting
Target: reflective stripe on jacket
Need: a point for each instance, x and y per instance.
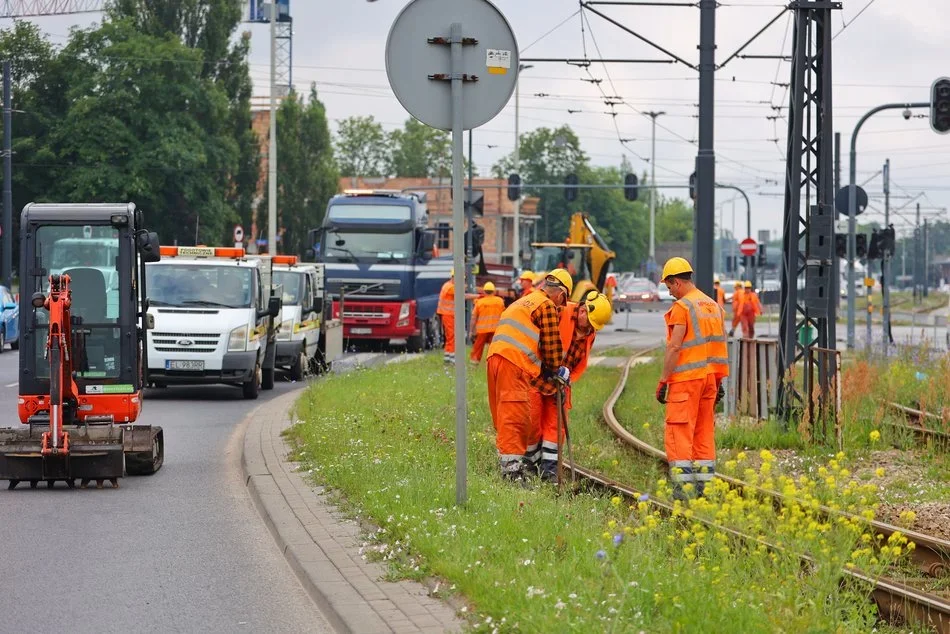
(517, 338)
(704, 346)
(487, 312)
(567, 324)
(447, 299)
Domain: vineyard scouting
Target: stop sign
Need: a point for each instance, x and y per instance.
(748, 246)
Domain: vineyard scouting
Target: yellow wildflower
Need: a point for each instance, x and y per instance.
(875, 436)
(615, 500)
(879, 472)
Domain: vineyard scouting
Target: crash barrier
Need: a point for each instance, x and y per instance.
(822, 396)
(752, 387)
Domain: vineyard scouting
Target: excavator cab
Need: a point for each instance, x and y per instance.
(584, 254)
(83, 310)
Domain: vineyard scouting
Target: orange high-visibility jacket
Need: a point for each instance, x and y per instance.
(517, 338)
(566, 324)
(704, 346)
(447, 299)
(751, 306)
(487, 312)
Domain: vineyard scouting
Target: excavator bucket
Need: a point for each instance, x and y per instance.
(95, 453)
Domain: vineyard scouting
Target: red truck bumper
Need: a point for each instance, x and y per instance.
(378, 320)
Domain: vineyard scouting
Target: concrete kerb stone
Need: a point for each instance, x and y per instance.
(318, 565)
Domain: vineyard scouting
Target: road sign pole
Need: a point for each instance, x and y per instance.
(458, 256)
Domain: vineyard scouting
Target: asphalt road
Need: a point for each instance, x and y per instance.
(183, 550)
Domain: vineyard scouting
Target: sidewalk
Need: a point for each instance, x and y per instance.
(322, 547)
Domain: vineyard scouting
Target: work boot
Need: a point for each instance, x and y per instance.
(548, 471)
(700, 488)
(679, 493)
(514, 472)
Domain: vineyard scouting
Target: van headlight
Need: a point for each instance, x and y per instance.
(286, 330)
(237, 342)
(403, 318)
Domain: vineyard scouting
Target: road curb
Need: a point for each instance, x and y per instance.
(320, 547)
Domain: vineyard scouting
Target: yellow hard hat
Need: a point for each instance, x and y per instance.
(738, 283)
(489, 287)
(716, 280)
(675, 266)
(526, 275)
(748, 284)
(562, 276)
(598, 310)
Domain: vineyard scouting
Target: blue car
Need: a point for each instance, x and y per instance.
(9, 320)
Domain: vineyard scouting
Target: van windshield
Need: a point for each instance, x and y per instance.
(292, 282)
(200, 285)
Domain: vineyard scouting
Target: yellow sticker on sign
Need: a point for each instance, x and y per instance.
(498, 61)
(497, 70)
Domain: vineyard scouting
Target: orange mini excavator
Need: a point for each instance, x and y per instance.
(84, 321)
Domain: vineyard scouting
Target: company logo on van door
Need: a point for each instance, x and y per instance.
(185, 342)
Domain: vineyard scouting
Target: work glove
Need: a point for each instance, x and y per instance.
(564, 375)
(721, 394)
(732, 332)
(661, 391)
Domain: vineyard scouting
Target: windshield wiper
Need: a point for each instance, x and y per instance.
(205, 302)
(339, 246)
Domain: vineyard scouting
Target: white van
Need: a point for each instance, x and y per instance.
(213, 312)
(307, 339)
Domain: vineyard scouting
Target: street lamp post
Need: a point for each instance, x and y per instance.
(653, 116)
(516, 230)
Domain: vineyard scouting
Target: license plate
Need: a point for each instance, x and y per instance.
(185, 365)
(361, 331)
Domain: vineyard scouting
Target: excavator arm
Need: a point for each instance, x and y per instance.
(599, 256)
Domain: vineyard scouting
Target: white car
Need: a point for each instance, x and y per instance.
(664, 293)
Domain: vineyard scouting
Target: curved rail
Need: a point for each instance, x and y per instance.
(896, 600)
(916, 426)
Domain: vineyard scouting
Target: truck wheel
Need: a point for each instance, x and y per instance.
(267, 378)
(417, 343)
(252, 388)
(147, 462)
(3, 339)
(435, 333)
(297, 369)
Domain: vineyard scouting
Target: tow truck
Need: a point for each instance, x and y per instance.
(308, 339)
(214, 311)
(84, 348)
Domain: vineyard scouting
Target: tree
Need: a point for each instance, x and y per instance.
(622, 223)
(308, 174)
(674, 220)
(362, 147)
(420, 151)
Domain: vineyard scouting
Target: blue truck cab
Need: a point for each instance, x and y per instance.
(379, 257)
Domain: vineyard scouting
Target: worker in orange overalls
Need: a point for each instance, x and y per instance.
(485, 316)
(751, 308)
(694, 366)
(579, 324)
(446, 312)
(736, 307)
(525, 354)
(720, 294)
(527, 282)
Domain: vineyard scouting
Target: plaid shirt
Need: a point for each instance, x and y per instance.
(575, 353)
(549, 345)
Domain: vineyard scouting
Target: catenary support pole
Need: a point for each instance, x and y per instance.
(7, 262)
(703, 225)
(272, 151)
(852, 203)
(886, 265)
(458, 257)
(652, 251)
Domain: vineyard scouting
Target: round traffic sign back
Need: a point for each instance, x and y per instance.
(748, 246)
(238, 233)
(419, 61)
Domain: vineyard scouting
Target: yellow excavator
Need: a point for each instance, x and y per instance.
(584, 254)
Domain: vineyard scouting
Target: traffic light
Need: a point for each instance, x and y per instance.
(841, 245)
(514, 187)
(875, 251)
(888, 241)
(940, 105)
(761, 261)
(861, 245)
(630, 187)
(478, 239)
(692, 186)
(570, 192)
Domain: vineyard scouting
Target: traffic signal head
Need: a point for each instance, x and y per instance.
(861, 245)
(630, 187)
(874, 249)
(761, 260)
(570, 191)
(888, 242)
(841, 245)
(692, 186)
(940, 105)
(514, 187)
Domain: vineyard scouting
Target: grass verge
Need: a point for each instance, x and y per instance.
(526, 560)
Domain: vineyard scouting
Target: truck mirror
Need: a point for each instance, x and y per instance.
(273, 306)
(426, 245)
(149, 247)
(310, 255)
(149, 321)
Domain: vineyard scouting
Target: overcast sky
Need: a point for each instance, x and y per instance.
(884, 51)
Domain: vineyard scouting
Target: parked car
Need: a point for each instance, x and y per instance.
(664, 294)
(9, 319)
